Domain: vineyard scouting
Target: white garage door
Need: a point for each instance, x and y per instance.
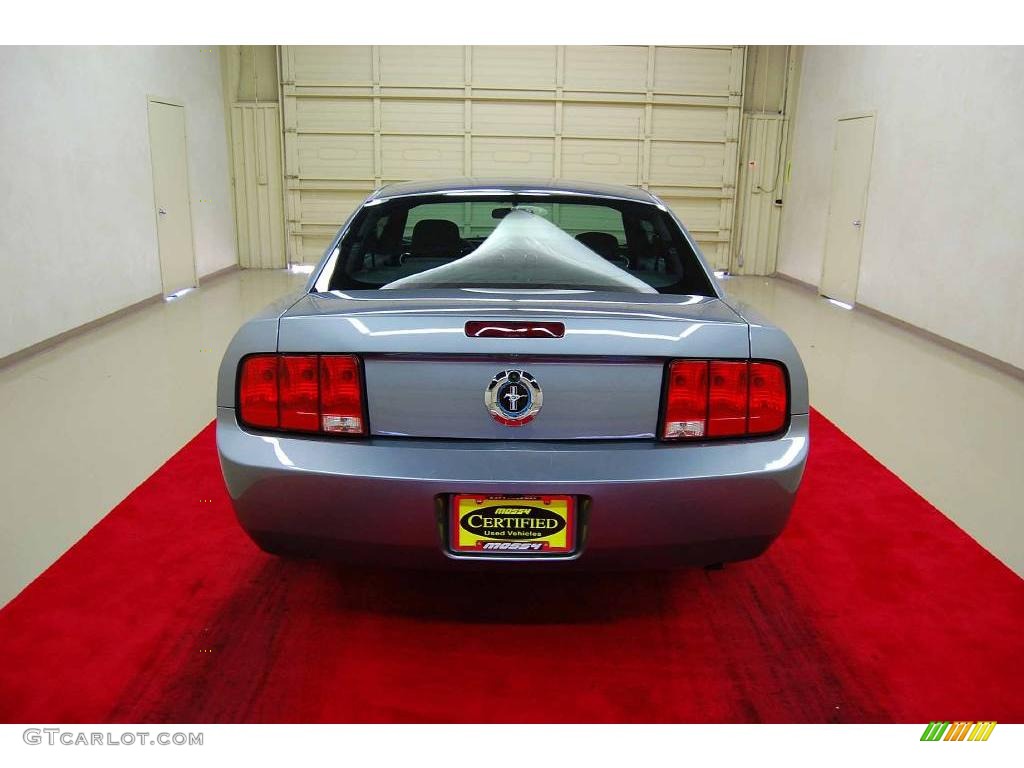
(663, 118)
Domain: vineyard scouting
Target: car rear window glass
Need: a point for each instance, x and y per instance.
(519, 241)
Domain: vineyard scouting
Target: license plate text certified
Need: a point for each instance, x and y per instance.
(512, 525)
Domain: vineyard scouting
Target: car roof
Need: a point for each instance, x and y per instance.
(512, 186)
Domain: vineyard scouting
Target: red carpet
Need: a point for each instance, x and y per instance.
(871, 607)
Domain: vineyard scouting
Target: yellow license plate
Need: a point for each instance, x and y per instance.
(513, 525)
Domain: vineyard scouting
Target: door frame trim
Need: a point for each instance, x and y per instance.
(152, 99)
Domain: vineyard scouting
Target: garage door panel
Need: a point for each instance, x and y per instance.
(715, 252)
(606, 68)
(428, 65)
(597, 160)
(693, 70)
(513, 118)
(423, 116)
(514, 66)
(421, 157)
(357, 117)
(689, 123)
(329, 207)
(623, 121)
(698, 214)
(335, 157)
(513, 157)
(313, 247)
(332, 64)
(335, 115)
(700, 165)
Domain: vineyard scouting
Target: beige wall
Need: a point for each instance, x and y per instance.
(944, 228)
(78, 239)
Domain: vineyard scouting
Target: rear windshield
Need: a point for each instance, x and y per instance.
(515, 242)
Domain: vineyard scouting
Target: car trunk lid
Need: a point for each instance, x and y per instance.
(600, 379)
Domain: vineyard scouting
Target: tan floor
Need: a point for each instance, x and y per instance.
(951, 427)
(88, 420)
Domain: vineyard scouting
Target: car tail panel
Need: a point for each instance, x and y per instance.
(438, 396)
(525, 365)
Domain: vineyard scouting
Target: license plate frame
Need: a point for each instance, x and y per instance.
(518, 526)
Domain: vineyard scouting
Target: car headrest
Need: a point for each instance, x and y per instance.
(600, 243)
(435, 237)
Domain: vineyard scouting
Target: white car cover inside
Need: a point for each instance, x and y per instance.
(526, 249)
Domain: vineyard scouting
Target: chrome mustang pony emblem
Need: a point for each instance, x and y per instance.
(513, 398)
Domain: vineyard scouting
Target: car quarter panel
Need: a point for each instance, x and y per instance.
(257, 335)
(768, 342)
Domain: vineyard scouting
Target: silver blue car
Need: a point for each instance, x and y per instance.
(511, 373)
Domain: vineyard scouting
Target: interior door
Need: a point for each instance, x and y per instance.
(169, 156)
(851, 172)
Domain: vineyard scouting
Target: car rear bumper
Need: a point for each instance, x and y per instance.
(383, 500)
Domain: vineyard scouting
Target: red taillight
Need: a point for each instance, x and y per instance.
(768, 400)
(724, 398)
(727, 398)
(299, 393)
(257, 391)
(686, 402)
(302, 393)
(341, 395)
